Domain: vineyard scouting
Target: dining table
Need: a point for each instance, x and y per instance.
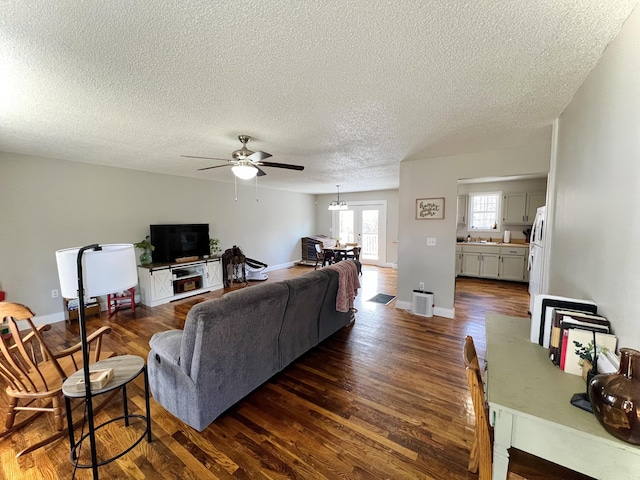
(338, 253)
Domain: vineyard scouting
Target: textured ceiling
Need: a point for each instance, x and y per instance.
(346, 88)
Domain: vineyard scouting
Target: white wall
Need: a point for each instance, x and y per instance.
(596, 227)
(47, 204)
(324, 218)
(438, 177)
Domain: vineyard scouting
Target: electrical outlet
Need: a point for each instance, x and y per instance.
(431, 242)
(54, 293)
(421, 286)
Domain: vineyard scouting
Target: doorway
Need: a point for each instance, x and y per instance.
(364, 223)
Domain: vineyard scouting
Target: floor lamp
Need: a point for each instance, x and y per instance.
(91, 271)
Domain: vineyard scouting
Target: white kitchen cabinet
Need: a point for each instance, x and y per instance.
(462, 209)
(520, 208)
(514, 207)
(458, 260)
(489, 265)
(470, 264)
(489, 259)
(534, 201)
(511, 268)
(513, 263)
(492, 261)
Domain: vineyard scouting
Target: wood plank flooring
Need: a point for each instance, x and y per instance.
(384, 399)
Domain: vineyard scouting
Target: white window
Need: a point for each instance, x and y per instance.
(484, 210)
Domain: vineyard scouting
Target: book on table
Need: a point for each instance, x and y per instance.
(579, 343)
(98, 379)
(541, 316)
(563, 319)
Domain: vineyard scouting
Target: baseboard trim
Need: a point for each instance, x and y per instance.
(39, 320)
(437, 311)
(280, 266)
(444, 312)
(402, 305)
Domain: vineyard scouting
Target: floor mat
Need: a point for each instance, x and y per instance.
(382, 298)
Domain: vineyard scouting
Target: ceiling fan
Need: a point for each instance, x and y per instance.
(246, 163)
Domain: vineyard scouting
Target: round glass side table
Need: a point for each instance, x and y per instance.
(126, 368)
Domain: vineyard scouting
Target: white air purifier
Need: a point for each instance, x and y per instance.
(422, 303)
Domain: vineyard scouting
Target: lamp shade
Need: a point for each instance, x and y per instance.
(109, 270)
(245, 172)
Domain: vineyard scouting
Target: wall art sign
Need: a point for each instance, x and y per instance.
(430, 208)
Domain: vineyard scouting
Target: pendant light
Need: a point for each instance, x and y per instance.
(338, 205)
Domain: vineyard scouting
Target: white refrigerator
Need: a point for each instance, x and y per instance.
(536, 251)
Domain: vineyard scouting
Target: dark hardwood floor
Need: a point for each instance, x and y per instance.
(384, 399)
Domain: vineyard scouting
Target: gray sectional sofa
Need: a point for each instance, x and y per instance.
(232, 345)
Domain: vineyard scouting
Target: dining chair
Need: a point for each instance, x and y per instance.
(322, 256)
(521, 464)
(34, 373)
(355, 253)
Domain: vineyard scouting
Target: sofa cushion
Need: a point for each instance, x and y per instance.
(330, 319)
(167, 345)
(236, 334)
(300, 325)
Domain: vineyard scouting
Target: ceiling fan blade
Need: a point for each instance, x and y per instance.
(283, 165)
(258, 156)
(215, 166)
(207, 158)
(261, 173)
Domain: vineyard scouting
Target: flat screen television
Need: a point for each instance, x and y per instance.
(179, 241)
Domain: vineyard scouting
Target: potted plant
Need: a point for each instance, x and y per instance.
(145, 256)
(214, 248)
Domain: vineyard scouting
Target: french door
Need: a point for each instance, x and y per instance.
(364, 223)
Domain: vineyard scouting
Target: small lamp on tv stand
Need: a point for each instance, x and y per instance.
(91, 271)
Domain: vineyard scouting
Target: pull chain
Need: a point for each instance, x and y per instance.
(256, 188)
(235, 186)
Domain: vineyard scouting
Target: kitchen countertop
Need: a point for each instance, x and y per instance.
(497, 244)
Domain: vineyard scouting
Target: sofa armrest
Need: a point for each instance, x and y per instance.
(167, 345)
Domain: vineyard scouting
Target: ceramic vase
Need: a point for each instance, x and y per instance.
(615, 398)
(145, 257)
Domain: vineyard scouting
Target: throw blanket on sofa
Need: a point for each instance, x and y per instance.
(348, 284)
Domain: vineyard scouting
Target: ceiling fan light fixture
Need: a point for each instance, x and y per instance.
(244, 172)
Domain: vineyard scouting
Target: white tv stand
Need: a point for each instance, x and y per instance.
(165, 282)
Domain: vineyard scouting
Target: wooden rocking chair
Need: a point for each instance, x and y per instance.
(34, 374)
